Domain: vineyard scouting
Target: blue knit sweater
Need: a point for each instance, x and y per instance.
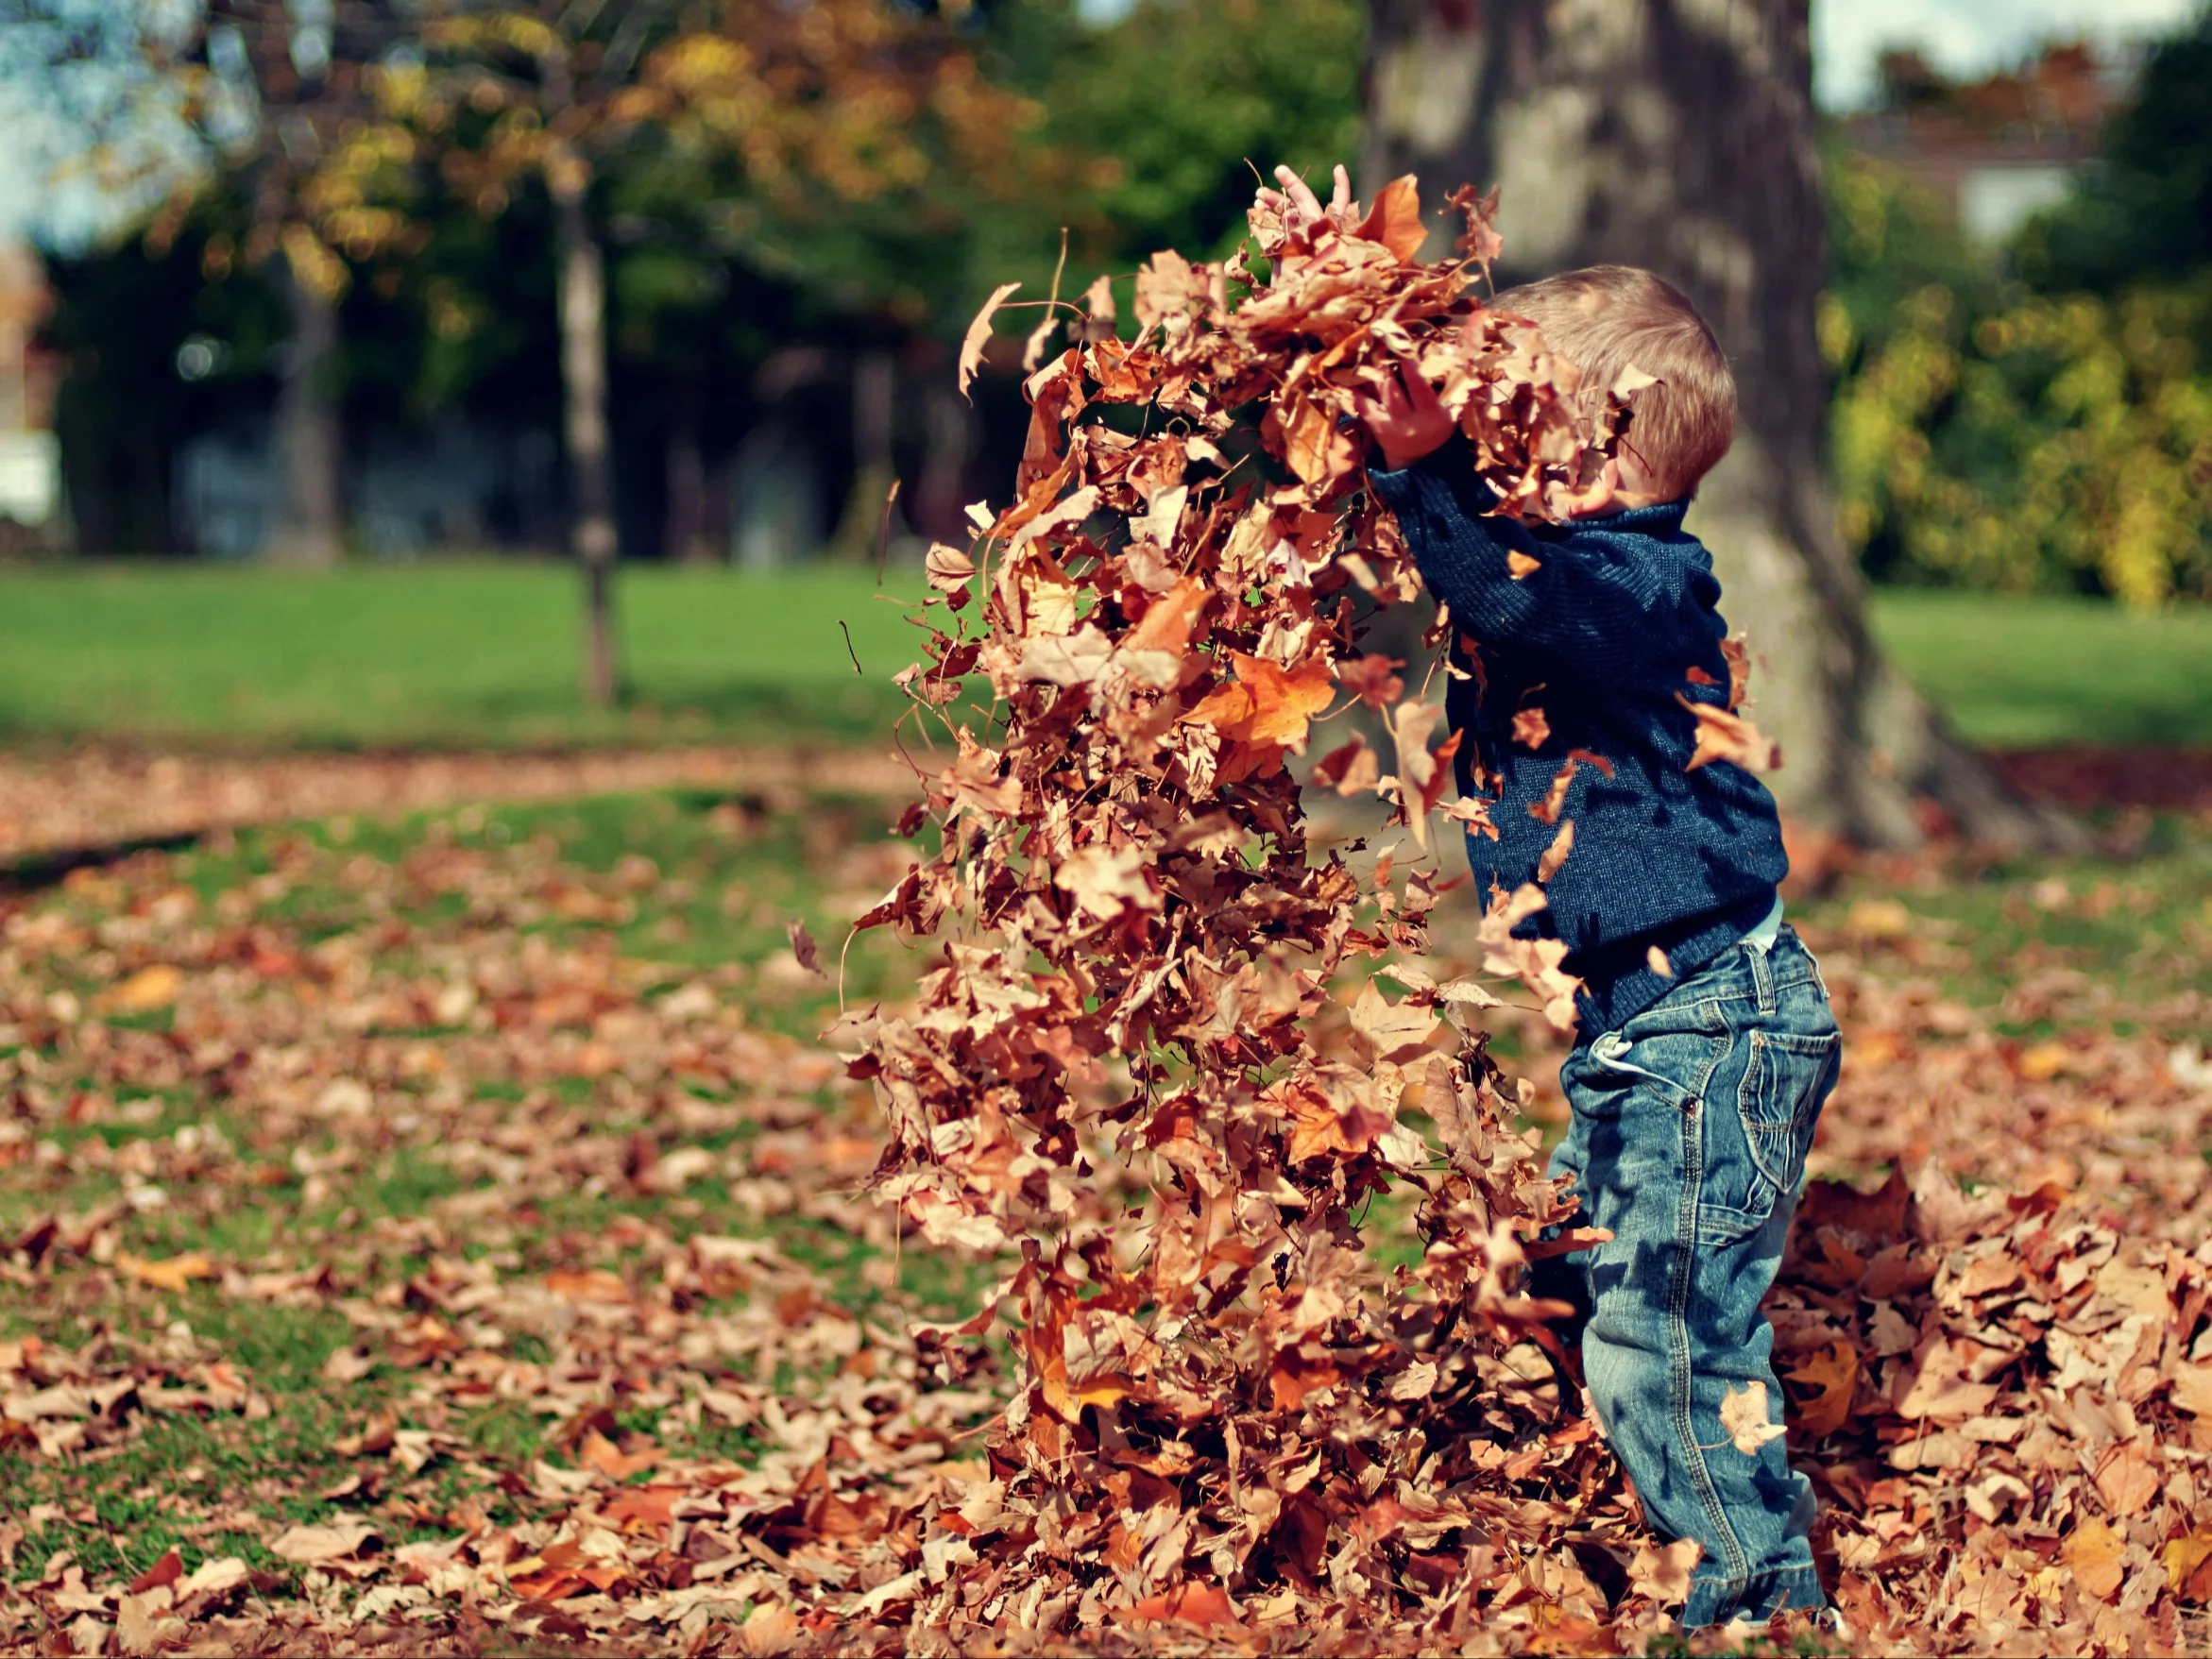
(1601, 637)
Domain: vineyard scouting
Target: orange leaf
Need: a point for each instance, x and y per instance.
(1166, 624)
(2094, 1550)
(1722, 735)
(1834, 1372)
(642, 1509)
(2125, 1479)
(143, 992)
(1556, 855)
(597, 1285)
(1395, 219)
(1192, 1603)
(165, 1571)
(603, 1455)
(2188, 1565)
(172, 1274)
(1268, 704)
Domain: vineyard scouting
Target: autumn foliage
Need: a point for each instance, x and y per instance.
(1118, 1070)
(1131, 1074)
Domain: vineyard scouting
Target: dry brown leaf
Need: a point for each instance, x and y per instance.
(978, 335)
(1724, 736)
(1743, 1417)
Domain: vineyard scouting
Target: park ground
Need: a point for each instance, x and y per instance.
(429, 1218)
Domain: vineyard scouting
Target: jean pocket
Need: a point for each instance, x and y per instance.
(1673, 1067)
(1755, 1158)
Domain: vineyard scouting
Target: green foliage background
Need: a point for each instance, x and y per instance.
(2040, 418)
(2035, 418)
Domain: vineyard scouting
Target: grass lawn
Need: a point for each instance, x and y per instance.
(480, 653)
(441, 655)
(330, 1135)
(2019, 673)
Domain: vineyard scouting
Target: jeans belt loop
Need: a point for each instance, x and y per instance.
(1762, 976)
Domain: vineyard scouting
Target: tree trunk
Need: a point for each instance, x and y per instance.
(583, 307)
(308, 527)
(874, 389)
(1678, 135)
(947, 448)
(684, 532)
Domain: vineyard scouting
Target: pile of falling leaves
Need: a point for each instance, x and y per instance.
(1204, 1101)
(1125, 1071)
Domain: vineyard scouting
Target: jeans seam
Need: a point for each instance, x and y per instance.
(1680, 1376)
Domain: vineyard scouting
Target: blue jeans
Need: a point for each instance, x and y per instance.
(1690, 1126)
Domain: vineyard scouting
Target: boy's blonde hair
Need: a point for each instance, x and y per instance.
(1608, 318)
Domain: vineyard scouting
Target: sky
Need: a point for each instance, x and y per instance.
(1965, 37)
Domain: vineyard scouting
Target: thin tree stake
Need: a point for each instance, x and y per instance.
(883, 535)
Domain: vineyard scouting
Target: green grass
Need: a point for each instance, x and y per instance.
(452, 655)
(442, 655)
(2020, 672)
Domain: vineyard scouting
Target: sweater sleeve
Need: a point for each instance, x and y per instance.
(1587, 603)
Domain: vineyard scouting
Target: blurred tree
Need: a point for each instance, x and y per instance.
(270, 92)
(779, 135)
(1681, 138)
(1986, 436)
(164, 338)
(2041, 420)
(2145, 213)
(1174, 105)
(516, 93)
(279, 90)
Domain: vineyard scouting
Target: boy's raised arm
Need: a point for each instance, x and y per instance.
(1583, 603)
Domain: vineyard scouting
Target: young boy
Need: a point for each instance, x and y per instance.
(1707, 1045)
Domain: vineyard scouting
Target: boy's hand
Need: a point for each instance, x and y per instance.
(1301, 209)
(1408, 420)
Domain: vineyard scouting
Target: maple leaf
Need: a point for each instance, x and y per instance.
(1662, 1571)
(1723, 736)
(1831, 1374)
(1479, 243)
(1351, 770)
(1392, 1031)
(1268, 704)
(1102, 879)
(1394, 220)
(1743, 1417)
(2094, 1552)
(167, 1570)
(1555, 801)
(615, 1465)
(1371, 679)
(948, 569)
(1530, 728)
(1193, 1602)
(1098, 299)
(316, 1545)
(1168, 620)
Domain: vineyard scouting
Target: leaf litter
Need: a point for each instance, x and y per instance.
(1268, 1380)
